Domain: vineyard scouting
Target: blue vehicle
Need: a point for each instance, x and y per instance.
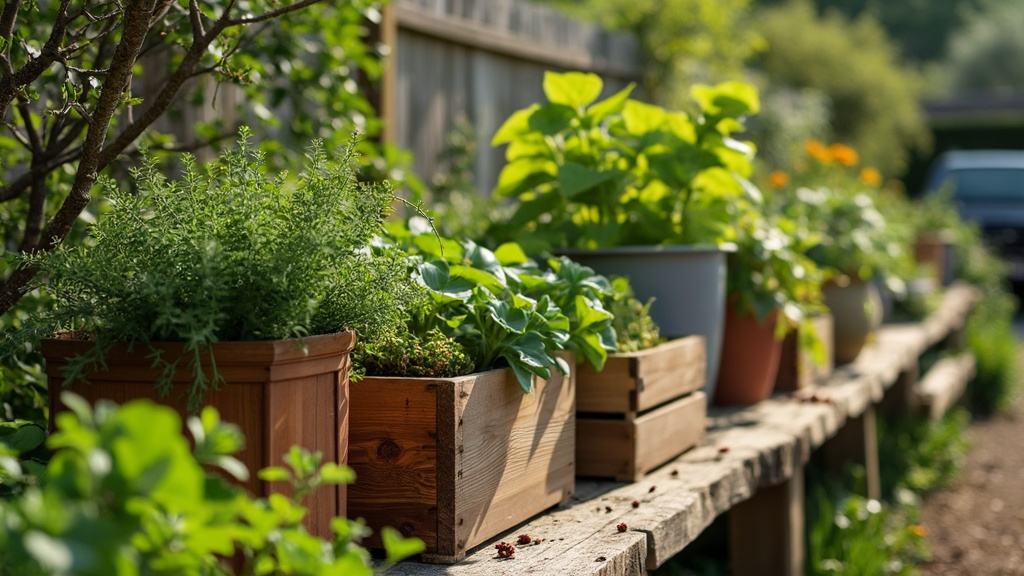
(987, 187)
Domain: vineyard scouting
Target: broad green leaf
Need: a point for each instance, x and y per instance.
(573, 89)
(531, 210)
(574, 179)
(398, 547)
(730, 99)
(22, 436)
(275, 474)
(641, 118)
(609, 106)
(332, 473)
(510, 254)
(477, 277)
(524, 375)
(435, 276)
(511, 318)
(524, 175)
(517, 125)
(552, 119)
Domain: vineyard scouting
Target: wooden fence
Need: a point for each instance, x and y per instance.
(483, 60)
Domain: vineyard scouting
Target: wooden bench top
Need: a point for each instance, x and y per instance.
(745, 448)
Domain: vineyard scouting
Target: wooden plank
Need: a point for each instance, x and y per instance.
(392, 448)
(668, 431)
(517, 456)
(638, 381)
(944, 385)
(605, 448)
(857, 443)
(766, 533)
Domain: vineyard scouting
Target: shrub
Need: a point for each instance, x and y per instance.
(125, 493)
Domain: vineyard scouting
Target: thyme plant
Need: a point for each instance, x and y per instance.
(229, 252)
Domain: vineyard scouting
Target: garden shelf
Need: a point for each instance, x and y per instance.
(750, 465)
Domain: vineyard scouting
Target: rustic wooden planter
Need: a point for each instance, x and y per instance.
(280, 393)
(455, 461)
(796, 367)
(642, 410)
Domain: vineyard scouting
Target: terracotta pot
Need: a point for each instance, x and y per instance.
(750, 358)
(856, 311)
(935, 250)
(279, 392)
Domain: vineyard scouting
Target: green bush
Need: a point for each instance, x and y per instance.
(854, 65)
(126, 494)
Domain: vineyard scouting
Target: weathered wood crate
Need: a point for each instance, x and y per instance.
(642, 410)
(796, 367)
(455, 461)
(280, 393)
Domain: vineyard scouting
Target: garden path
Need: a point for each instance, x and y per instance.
(976, 525)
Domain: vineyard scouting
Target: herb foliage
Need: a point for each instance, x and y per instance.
(229, 252)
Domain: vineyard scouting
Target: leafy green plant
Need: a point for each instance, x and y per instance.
(228, 253)
(838, 211)
(771, 271)
(126, 493)
(406, 354)
(501, 307)
(850, 534)
(613, 172)
(635, 330)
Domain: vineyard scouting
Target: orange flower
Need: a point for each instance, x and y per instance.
(918, 530)
(844, 154)
(818, 151)
(778, 179)
(870, 176)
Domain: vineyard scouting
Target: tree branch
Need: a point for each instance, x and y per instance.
(137, 20)
(10, 83)
(273, 13)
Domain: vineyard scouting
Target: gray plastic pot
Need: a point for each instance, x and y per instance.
(686, 282)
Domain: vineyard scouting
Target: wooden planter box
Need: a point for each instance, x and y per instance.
(280, 393)
(455, 461)
(796, 368)
(642, 410)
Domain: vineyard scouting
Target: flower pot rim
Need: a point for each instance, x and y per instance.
(651, 248)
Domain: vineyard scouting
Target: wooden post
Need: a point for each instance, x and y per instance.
(388, 82)
(900, 400)
(766, 532)
(857, 443)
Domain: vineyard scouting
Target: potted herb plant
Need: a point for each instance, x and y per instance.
(856, 246)
(464, 426)
(231, 288)
(773, 287)
(631, 189)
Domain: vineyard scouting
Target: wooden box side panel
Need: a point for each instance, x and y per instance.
(304, 412)
(605, 448)
(670, 370)
(240, 404)
(637, 381)
(393, 437)
(669, 431)
(610, 391)
(515, 455)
